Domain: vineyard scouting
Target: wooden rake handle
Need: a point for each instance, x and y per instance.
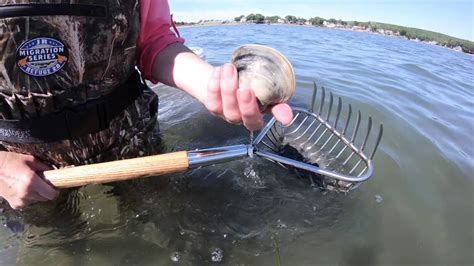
(118, 170)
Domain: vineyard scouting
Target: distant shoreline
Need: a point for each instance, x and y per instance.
(383, 32)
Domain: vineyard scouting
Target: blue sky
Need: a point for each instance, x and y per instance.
(452, 17)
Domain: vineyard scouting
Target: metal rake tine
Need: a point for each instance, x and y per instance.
(348, 158)
(292, 121)
(304, 132)
(322, 101)
(337, 118)
(355, 166)
(320, 136)
(344, 130)
(356, 127)
(270, 147)
(274, 137)
(312, 134)
(298, 127)
(272, 129)
(331, 99)
(312, 181)
(361, 172)
(319, 115)
(282, 165)
(340, 152)
(294, 118)
(326, 143)
(334, 146)
(272, 142)
(339, 108)
(354, 136)
(379, 138)
(313, 99)
(369, 127)
(274, 126)
(277, 162)
(348, 119)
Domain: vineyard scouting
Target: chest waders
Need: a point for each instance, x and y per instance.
(69, 92)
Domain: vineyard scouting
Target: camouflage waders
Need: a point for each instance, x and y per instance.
(49, 63)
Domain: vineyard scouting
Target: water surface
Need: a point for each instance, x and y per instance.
(416, 209)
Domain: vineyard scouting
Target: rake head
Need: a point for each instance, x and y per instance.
(330, 152)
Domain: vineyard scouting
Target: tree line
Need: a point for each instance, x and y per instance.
(259, 18)
(407, 32)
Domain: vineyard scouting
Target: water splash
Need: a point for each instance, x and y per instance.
(217, 255)
(280, 224)
(250, 151)
(251, 174)
(378, 199)
(175, 256)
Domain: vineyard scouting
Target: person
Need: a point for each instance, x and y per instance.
(69, 94)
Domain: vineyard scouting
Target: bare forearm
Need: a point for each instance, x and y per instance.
(179, 67)
(216, 87)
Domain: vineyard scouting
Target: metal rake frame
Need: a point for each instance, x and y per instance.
(327, 150)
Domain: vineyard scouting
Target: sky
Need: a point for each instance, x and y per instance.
(451, 17)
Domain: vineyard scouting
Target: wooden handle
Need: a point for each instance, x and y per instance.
(118, 170)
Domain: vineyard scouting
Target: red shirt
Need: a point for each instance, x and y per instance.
(155, 34)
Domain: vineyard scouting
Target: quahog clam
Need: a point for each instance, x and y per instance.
(266, 71)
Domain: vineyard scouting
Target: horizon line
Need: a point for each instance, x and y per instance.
(369, 21)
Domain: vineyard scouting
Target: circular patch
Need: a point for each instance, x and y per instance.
(41, 56)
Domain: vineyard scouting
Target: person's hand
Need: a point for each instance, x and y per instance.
(20, 183)
(238, 105)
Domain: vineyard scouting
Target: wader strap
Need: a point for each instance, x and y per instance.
(27, 10)
(91, 117)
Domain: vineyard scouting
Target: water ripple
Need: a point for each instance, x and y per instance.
(240, 212)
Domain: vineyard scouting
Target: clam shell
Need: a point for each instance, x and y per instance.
(266, 71)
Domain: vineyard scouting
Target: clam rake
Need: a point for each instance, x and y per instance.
(321, 150)
(336, 159)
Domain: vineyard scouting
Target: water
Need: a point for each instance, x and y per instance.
(417, 208)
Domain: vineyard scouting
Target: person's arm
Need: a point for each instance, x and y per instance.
(20, 183)
(158, 50)
(162, 57)
(178, 66)
(215, 87)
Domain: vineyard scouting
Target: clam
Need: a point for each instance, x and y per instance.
(266, 71)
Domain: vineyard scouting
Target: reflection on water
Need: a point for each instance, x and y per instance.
(416, 209)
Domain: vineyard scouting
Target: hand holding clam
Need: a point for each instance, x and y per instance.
(267, 72)
(260, 79)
